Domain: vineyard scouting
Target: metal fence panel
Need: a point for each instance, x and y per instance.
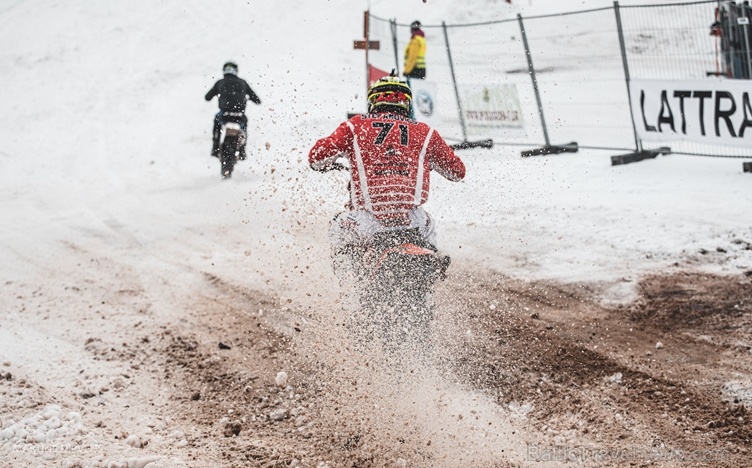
(493, 54)
(386, 57)
(578, 62)
(393, 38)
(482, 54)
(674, 42)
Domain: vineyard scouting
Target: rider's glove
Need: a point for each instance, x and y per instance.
(335, 166)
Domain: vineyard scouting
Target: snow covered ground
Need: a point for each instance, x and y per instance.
(109, 196)
(104, 117)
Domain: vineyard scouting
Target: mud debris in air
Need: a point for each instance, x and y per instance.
(565, 369)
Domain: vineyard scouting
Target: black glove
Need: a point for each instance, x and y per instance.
(335, 166)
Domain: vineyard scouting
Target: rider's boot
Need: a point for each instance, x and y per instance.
(444, 261)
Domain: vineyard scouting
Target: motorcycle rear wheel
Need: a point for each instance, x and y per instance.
(399, 304)
(228, 156)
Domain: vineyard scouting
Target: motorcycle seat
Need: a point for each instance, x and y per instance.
(401, 236)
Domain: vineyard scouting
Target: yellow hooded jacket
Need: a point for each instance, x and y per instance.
(415, 53)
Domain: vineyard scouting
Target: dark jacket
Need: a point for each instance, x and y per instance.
(233, 93)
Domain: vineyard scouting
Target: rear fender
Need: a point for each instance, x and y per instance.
(409, 263)
(231, 129)
(403, 249)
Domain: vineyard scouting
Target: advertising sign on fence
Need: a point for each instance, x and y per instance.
(490, 108)
(708, 111)
(424, 101)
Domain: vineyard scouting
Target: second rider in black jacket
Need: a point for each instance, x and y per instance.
(233, 93)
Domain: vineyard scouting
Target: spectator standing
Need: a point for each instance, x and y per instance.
(415, 53)
(415, 57)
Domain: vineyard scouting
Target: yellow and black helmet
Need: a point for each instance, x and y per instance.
(390, 94)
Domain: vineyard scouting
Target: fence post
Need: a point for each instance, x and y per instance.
(746, 43)
(367, 31)
(393, 28)
(531, 70)
(622, 45)
(454, 82)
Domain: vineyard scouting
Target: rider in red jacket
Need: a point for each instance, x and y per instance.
(390, 157)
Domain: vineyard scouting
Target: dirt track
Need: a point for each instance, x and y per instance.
(525, 374)
(574, 379)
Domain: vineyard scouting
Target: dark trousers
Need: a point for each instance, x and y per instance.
(419, 73)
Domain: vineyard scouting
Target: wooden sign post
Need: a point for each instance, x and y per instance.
(366, 44)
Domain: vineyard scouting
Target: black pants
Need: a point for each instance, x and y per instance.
(418, 73)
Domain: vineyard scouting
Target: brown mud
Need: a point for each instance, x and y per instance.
(663, 380)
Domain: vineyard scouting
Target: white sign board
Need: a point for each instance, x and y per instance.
(712, 111)
(424, 101)
(490, 108)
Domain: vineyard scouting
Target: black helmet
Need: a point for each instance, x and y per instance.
(415, 25)
(230, 68)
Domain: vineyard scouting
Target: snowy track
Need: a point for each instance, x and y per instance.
(126, 261)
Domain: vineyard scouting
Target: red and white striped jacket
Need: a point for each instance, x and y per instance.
(391, 158)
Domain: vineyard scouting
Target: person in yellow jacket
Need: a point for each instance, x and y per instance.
(415, 53)
(415, 57)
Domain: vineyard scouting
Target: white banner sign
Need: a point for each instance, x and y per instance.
(708, 111)
(488, 108)
(424, 101)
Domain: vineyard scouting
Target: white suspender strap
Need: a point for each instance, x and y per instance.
(361, 172)
(419, 182)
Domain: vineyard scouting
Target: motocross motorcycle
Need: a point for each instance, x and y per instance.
(231, 142)
(394, 276)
